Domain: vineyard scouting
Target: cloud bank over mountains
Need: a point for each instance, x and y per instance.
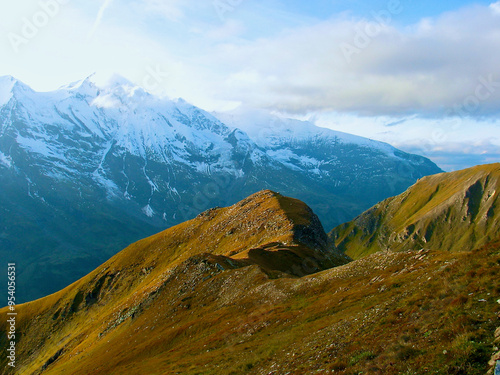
(378, 65)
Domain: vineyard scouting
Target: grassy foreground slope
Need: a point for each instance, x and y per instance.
(226, 293)
(456, 211)
(281, 235)
(389, 313)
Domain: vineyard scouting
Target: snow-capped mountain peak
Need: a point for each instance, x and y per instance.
(91, 167)
(6, 85)
(126, 92)
(90, 129)
(117, 80)
(268, 129)
(85, 87)
(9, 86)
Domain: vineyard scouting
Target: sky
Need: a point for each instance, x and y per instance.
(423, 76)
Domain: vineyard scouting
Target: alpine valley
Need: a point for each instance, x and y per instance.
(259, 288)
(87, 170)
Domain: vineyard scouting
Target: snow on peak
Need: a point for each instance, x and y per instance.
(85, 87)
(146, 124)
(267, 129)
(117, 80)
(119, 92)
(4, 80)
(7, 83)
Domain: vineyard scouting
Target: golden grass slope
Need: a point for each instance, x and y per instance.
(279, 234)
(389, 313)
(449, 211)
(210, 297)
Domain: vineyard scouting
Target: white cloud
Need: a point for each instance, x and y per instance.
(453, 143)
(428, 69)
(495, 7)
(98, 19)
(456, 156)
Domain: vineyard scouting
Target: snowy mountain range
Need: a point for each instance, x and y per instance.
(87, 169)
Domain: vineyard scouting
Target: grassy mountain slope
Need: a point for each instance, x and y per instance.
(389, 313)
(279, 234)
(448, 211)
(221, 294)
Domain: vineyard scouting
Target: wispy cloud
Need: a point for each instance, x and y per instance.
(495, 7)
(441, 139)
(267, 59)
(459, 155)
(98, 20)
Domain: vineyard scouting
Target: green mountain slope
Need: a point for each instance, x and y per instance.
(449, 211)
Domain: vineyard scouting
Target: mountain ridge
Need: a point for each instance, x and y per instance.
(457, 210)
(87, 170)
(280, 236)
(193, 299)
